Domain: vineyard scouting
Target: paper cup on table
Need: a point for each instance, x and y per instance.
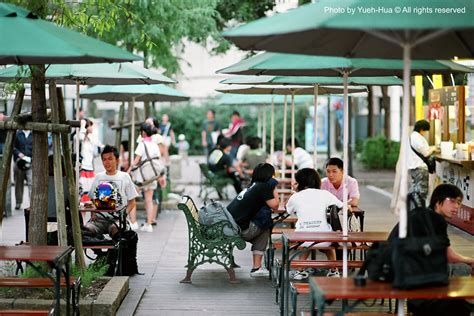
(447, 149)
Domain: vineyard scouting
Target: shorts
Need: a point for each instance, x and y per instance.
(101, 226)
(257, 236)
(150, 186)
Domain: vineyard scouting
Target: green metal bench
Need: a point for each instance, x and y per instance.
(211, 181)
(208, 244)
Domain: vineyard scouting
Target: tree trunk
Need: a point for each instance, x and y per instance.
(39, 194)
(386, 107)
(370, 115)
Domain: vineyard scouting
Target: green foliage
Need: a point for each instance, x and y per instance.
(379, 153)
(95, 270)
(188, 120)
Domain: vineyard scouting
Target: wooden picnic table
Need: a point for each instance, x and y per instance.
(296, 239)
(57, 256)
(323, 289)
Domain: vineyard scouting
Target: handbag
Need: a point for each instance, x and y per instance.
(147, 170)
(429, 161)
(420, 261)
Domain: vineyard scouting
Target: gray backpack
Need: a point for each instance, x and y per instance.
(215, 212)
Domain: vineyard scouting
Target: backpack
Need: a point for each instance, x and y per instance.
(128, 253)
(216, 212)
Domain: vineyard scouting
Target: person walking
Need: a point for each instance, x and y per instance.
(90, 148)
(167, 132)
(210, 132)
(22, 153)
(235, 133)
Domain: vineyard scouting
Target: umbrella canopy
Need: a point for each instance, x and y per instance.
(91, 74)
(256, 99)
(281, 64)
(306, 80)
(328, 28)
(156, 92)
(287, 90)
(26, 39)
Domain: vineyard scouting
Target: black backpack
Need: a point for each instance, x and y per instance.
(127, 264)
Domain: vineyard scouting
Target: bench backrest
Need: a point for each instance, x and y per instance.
(187, 205)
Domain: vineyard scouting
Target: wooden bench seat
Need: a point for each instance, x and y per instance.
(16, 312)
(318, 264)
(31, 282)
(349, 314)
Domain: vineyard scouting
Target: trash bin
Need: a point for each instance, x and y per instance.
(175, 167)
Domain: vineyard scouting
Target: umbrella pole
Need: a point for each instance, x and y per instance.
(259, 124)
(131, 140)
(315, 129)
(76, 143)
(292, 136)
(344, 181)
(401, 205)
(283, 165)
(272, 129)
(264, 129)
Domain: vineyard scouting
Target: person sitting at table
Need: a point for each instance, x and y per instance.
(247, 207)
(333, 182)
(302, 159)
(255, 155)
(445, 202)
(309, 203)
(221, 163)
(103, 222)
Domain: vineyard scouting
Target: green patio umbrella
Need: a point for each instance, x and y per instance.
(313, 81)
(133, 93)
(89, 74)
(288, 90)
(323, 29)
(28, 40)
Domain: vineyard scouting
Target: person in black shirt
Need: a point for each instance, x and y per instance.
(445, 202)
(220, 162)
(246, 206)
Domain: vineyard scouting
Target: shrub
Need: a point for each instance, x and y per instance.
(379, 153)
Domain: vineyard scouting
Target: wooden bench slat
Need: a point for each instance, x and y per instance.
(324, 264)
(31, 282)
(16, 312)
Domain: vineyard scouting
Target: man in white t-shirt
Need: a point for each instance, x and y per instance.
(104, 223)
(302, 158)
(417, 168)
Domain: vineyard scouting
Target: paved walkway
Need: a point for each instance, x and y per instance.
(162, 256)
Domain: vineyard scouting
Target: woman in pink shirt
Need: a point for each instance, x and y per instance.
(333, 182)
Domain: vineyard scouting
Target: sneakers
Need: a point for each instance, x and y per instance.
(333, 274)
(260, 272)
(146, 228)
(134, 226)
(300, 275)
(17, 206)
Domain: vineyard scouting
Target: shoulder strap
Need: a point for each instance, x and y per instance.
(146, 151)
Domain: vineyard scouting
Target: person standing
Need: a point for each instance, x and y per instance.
(235, 133)
(167, 132)
(417, 168)
(210, 132)
(147, 149)
(90, 148)
(3, 133)
(22, 152)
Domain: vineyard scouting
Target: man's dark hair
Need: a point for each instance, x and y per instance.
(443, 191)
(224, 142)
(334, 161)
(212, 111)
(236, 113)
(148, 129)
(308, 178)
(110, 149)
(253, 142)
(263, 172)
(422, 125)
(297, 143)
